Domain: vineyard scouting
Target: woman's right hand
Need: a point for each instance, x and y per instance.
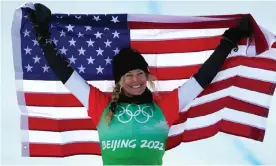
(41, 18)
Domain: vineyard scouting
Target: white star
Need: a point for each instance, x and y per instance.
(29, 68)
(63, 50)
(55, 41)
(114, 19)
(72, 42)
(98, 34)
(35, 42)
(69, 28)
(48, 41)
(97, 18)
(45, 68)
(72, 59)
(99, 69)
(115, 34)
(26, 33)
(80, 35)
(28, 50)
(36, 59)
(108, 60)
(90, 60)
(90, 43)
(81, 69)
(62, 33)
(88, 28)
(106, 28)
(81, 51)
(116, 51)
(107, 43)
(100, 51)
(78, 17)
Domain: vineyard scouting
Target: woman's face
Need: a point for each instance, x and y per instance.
(134, 82)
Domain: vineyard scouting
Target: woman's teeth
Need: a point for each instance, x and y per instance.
(136, 86)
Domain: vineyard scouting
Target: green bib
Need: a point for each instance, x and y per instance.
(137, 135)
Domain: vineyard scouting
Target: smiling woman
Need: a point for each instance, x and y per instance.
(133, 123)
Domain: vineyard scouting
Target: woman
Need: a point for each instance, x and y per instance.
(133, 123)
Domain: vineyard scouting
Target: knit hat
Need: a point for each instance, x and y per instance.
(126, 60)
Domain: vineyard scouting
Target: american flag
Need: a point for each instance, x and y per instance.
(55, 124)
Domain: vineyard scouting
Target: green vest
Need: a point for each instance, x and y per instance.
(137, 135)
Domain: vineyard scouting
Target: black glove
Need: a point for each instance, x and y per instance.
(41, 18)
(242, 30)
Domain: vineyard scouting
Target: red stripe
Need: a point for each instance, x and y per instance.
(185, 25)
(273, 45)
(92, 148)
(185, 72)
(178, 45)
(224, 126)
(69, 100)
(57, 150)
(261, 43)
(241, 82)
(60, 125)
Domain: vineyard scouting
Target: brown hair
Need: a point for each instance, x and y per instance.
(116, 92)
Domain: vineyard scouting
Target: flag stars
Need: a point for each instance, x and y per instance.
(98, 34)
(63, 50)
(26, 33)
(88, 28)
(62, 33)
(78, 17)
(80, 35)
(107, 43)
(29, 68)
(55, 41)
(114, 19)
(72, 42)
(99, 69)
(90, 60)
(35, 42)
(28, 50)
(72, 60)
(90, 43)
(36, 59)
(45, 68)
(69, 28)
(81, 51)
(115, 34)
(81, 69)
(108, 60)
(97, 18)
(100, 51)
(116, 51)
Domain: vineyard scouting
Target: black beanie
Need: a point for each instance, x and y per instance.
(126, 60)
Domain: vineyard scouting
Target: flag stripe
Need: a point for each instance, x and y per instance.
(67, 100)
(273, 45)
(106, 86)
(93, 148)
(180, 25)
(70, 149)
(193, 124)
(176, 19)
(178, 45)
(63, 120)
(167, 34)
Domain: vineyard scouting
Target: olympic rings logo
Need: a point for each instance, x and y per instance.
(141, 115)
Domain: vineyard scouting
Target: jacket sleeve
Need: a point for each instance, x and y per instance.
(207, 72)
(70, 78)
